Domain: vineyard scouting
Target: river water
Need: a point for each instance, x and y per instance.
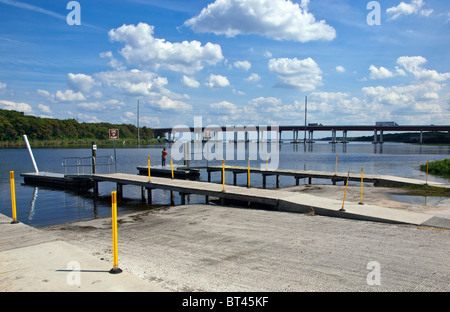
(41, 206)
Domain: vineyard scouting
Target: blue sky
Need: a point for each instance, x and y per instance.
(232, 62)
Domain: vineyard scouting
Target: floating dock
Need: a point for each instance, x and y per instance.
(274, 199)
(58, 180)
(277, 199)
(378, 180)
(178, 172)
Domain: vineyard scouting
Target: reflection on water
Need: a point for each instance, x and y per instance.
(39, 206)
(431, 201)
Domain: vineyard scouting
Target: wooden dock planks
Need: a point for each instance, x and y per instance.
(231, 192)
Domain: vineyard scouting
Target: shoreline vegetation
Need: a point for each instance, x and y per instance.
(49, 132)
(439, 168)
(80, 143)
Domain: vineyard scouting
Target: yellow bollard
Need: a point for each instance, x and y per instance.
(13, 198)
(149, 178)
(345, 193)
(362, 181)
(115, 268)
(248, 174)
(171, 165)
(428, 162)
(335, 167)
(223, 174)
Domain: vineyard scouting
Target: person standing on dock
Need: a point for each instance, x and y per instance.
(163, 157)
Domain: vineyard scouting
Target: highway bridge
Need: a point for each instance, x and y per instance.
(208, 132)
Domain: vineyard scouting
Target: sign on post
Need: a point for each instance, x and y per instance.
(113, 134)
(207, 134)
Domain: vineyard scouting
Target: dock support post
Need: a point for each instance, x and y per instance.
(183, 198)
(264, 180)
(234, 178)
(95, 189)
(94, 158)
(223, 174)
(297, 181)
(209, 175)
(207, 199)
(278, 180)
(172, 198)
(335, 166)
(362, 185)
(149, 196)
(119, 191)
(309, 180)
(248, 173)
(142, 193)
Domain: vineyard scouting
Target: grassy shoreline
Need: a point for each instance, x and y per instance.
(439, 168)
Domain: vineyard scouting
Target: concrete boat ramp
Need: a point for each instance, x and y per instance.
(273, 199)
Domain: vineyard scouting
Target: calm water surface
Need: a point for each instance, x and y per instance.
(40, 206)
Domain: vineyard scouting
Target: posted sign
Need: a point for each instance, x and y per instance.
(113, 134)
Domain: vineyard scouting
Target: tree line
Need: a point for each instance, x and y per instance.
(13, 125)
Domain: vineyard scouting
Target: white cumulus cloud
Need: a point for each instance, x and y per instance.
(253, 77)
(80, 82)
(166, 103)
(68, 96)
(143, 49)
(304, 75)
(275, 19)
(20, 107)
(413, 64)
(189, 82)
(45, 108)
(415, 7)
(217, 81)
(245, 65)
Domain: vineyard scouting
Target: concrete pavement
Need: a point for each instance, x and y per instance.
(32, 260)
(36, 260)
